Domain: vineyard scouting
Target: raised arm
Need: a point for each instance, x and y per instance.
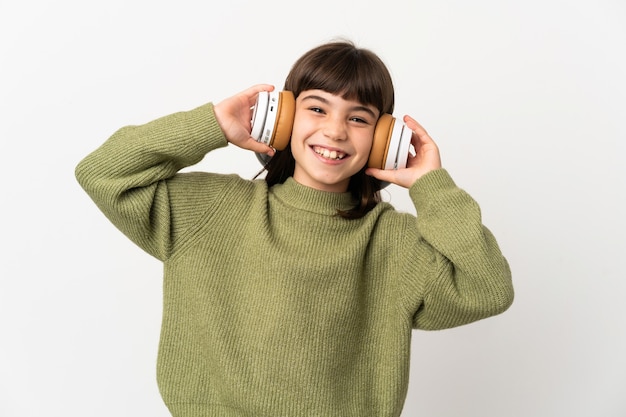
(126, 176)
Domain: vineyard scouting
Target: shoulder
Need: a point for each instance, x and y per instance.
(387, 212)
(199, 180)
(390, 226)
(212, 189)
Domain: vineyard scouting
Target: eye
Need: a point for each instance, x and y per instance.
(358, 119)
(316, 109)
(362, 120)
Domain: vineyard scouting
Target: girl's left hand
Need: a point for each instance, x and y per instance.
(425, 159)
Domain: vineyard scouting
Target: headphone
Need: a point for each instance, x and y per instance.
(272, 122)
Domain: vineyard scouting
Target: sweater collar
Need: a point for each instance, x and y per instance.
(309, 199)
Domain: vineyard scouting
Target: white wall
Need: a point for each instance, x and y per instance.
(527, 101)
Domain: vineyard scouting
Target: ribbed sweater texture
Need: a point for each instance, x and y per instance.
(274, 306)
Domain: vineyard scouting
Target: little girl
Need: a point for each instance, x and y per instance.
(296, 294)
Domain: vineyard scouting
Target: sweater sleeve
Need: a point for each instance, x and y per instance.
(127, 176)
(469, 278)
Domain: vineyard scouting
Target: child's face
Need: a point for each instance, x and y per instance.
(331, 139)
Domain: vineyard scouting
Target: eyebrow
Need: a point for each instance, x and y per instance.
(354, 108)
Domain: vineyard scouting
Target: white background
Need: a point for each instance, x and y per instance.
(526, 99)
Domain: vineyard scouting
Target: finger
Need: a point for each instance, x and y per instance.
(259, 147)
(382, 174)
(252, 92)
(257, 88)
(420, 136)
(417, 128)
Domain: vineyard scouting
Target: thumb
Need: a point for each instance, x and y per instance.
(258, 147)
(381, 174)
(402, 177)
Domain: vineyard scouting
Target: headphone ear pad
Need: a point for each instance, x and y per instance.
(284, 120)
(380, 145)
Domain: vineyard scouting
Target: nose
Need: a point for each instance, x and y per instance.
(335, 128)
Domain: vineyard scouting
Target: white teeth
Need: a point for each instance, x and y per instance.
(328, 154)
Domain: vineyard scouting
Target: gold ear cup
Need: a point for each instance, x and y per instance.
(380, 145)
(284, 120)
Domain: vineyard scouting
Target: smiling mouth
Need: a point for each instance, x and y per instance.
(328, 154)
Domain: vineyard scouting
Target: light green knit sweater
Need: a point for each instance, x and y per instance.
(274, 306)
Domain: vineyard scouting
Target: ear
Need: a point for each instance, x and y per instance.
(380, 145)
(284, 120)
(272, 118)
(390, 148)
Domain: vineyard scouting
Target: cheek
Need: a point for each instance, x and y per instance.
(296, 140)
(298, 131)
(365, 144)
(298, 136)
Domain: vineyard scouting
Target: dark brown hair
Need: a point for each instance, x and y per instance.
(356, 74)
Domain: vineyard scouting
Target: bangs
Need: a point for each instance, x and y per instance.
(352, 73)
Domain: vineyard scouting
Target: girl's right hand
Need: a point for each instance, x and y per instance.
(234, 116)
